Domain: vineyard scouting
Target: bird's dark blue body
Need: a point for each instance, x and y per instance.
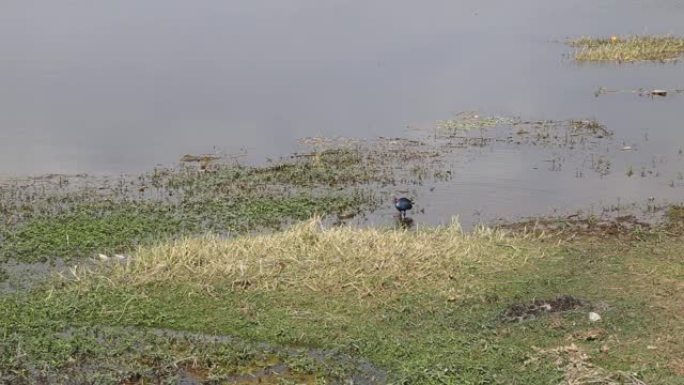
(403, 204)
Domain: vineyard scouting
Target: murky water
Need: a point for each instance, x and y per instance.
(119, 87)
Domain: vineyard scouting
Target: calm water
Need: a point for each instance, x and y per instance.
(118, 87)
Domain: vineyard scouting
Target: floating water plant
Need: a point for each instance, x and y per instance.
(468, 121)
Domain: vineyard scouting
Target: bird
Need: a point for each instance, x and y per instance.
(403, 204)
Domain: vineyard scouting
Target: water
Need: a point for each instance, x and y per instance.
(120, 87)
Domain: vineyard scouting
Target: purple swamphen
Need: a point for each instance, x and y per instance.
(403, 204)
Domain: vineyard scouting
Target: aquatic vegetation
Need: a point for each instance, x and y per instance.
(639, 91)
(468, 121)
(589, 127)
(628, 49)
(81, 227)
(71, 217)
(630, 171)
(567, 134)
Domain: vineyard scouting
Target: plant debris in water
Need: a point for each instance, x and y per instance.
(639, 91)
(628, 49)
(468, 121)
(469, 129)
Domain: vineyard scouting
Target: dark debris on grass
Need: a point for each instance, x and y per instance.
(531, 310)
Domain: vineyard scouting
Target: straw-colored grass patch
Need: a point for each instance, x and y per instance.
(309, 257)
(578, 370)
(628, 49)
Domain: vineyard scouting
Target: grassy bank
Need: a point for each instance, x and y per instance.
(628, 49)
(433, 306)
(203, 296)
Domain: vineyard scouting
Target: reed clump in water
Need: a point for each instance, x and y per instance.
(628, 49)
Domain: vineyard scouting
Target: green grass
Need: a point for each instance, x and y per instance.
(628, 49)
(107, 227)
(39, 347)
(424, 307)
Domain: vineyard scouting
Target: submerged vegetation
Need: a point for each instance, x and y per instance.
(468, 121)
(628, 49)
(519, 131)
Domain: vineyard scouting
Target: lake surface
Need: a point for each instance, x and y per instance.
(119, 87)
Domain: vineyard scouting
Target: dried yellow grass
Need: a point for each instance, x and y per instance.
(311, 257)
(628, 49)
(577, 368)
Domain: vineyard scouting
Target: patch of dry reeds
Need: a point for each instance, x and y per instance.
(311, 257)
(578, 369)
(628, 49)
